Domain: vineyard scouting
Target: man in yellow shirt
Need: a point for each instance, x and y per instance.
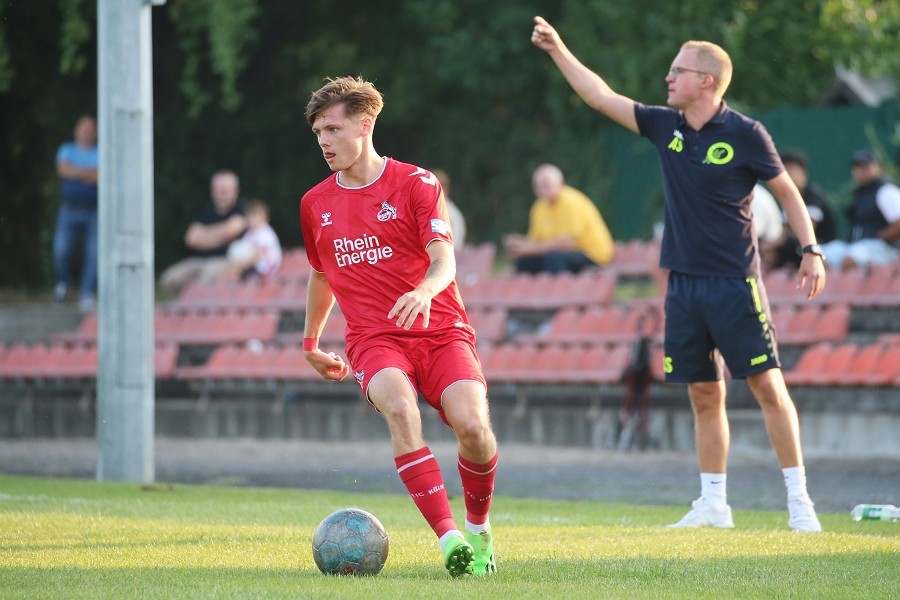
(565, 230)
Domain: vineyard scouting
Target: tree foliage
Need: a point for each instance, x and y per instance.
(464, 89)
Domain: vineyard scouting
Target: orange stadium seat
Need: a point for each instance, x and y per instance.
(550, 365)
(294, 265)
(811, 323)
(810, 364)
(842, 286)
(489, 324)
(860, 366)
(821, 364)
(600, 364)
(475, 263)
(886, 368)
(507, 363)
(634, 258)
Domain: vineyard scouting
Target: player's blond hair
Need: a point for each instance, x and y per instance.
(356, 94)
(712, 59)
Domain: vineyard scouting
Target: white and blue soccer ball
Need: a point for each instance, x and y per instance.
(350, 541)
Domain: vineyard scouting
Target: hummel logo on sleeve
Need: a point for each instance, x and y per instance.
(427, 177)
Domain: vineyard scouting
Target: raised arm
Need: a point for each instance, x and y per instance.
(587, 84)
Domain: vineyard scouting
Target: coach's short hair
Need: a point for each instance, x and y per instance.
(356, 94)
(712, 59)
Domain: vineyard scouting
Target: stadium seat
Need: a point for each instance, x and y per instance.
(821, 364)
(634, 258)
(811, 323)
(810, 364)
(601, 364)
(781, 287)
(842, 286)
(507, 363)
(860, 366)
(886, 368)
(550, 365)
(475, 263)
(489, 324)
(294, 265)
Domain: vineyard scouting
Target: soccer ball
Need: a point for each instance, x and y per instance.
(350, 541)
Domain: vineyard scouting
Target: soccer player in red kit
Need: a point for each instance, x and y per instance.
(378, 238)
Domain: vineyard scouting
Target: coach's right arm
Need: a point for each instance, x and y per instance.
(587, 84)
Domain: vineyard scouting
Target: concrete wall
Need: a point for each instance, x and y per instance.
(832, 434)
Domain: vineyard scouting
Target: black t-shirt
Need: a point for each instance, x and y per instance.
(209, 216)
(708, 179)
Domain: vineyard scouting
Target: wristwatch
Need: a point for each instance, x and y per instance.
(814, 249)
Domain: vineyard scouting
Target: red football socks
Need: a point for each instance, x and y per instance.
(421, 475)
(478, 487)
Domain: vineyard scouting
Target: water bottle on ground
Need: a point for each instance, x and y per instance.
(875, 512)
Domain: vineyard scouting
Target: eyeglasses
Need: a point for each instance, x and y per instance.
(676, 71)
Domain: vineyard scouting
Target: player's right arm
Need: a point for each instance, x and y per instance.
(319, 301)
(587, 84)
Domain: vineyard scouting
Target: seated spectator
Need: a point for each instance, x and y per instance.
(874, 218)
(766, 221)
(258, 251)
(786, 252)
(457, 220)
(208, 236)
(565, 230)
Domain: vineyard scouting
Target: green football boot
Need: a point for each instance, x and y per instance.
(483, 544)
(458, 557)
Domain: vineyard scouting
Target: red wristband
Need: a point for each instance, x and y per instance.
(310, 344)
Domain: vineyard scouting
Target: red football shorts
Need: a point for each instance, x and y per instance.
(431, 364)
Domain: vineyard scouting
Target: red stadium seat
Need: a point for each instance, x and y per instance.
(821, 364)
(635, 258)
(811, 363)
(474, 263)
(489, 324)
(860, 366)
(294, 265)
(886, 368)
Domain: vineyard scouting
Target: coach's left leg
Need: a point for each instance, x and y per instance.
(780, 415)
(783, 427)
(465, 406)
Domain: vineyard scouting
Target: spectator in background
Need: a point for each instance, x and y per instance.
(874, 218)
(209, 235)
(766, 221)
(76, 165)
(457, 220)
(565, 230)
(786, 252)
(258, 251)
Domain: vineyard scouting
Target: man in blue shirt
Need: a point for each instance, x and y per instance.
(76, 165)
(716, 306)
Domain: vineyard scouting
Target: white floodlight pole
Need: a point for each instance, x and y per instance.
(125, 378)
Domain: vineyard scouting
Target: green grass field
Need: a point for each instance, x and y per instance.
(83, 539)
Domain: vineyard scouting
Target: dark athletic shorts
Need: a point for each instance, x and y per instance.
(728, 314)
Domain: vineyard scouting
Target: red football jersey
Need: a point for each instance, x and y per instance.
(370, 244)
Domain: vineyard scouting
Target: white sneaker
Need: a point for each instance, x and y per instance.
(703, 514)
(803, 515)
